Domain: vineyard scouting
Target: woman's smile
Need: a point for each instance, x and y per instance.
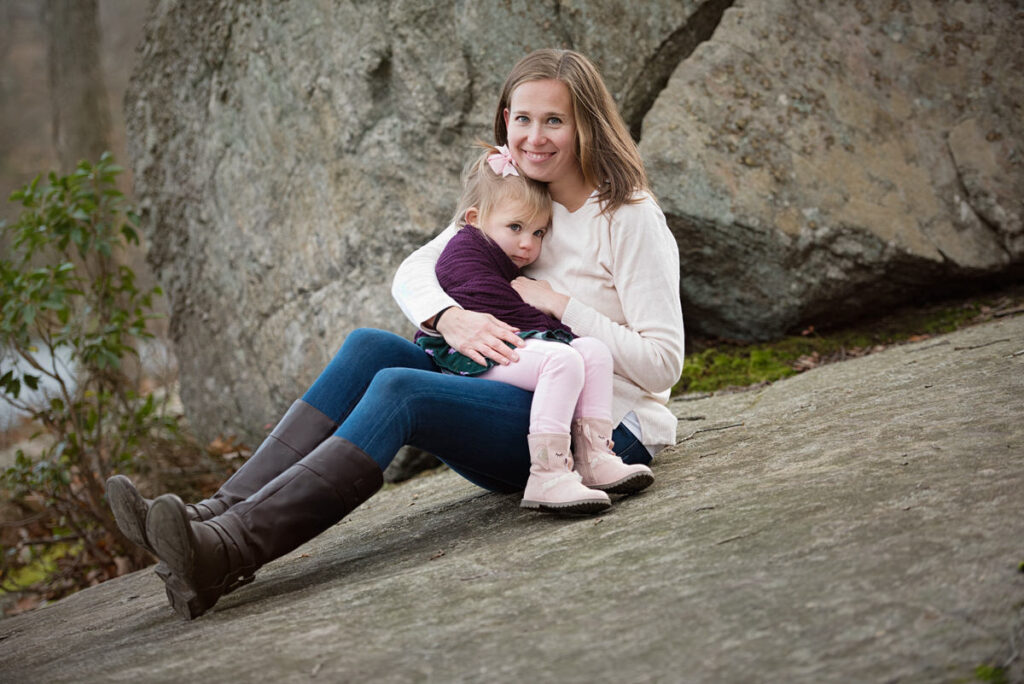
(538, 157)
(542, 137)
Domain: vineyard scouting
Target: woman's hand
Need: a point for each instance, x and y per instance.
(538, 294)
(479, 335)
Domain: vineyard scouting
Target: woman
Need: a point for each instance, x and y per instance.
(609, 271)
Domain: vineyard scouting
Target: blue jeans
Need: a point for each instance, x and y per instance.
(385, 392)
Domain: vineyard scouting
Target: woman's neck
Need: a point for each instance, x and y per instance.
(571, 191)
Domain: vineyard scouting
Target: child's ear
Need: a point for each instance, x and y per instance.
(472, 214)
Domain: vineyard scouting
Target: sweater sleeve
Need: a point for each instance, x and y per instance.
(415, 287)
(648, 348)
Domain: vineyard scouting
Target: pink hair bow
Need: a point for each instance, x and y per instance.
(502, 163)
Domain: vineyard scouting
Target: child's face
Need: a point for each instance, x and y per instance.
(519, 238)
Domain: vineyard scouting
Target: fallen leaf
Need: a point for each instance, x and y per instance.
(25, 604)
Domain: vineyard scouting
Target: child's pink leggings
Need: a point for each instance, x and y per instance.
(568, 381)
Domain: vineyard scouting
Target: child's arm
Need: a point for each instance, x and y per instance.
(421, 299)
(475, 272)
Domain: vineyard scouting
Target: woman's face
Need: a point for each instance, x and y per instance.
(542, 131)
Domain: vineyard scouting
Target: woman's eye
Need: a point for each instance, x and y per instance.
(554, 120)
(522, 118)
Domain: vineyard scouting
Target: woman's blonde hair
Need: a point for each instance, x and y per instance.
(484, 189)
(607, 154)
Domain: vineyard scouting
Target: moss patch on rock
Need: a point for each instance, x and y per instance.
(717, 364)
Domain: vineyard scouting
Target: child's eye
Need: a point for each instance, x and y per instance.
(515, 227)
(540, 232)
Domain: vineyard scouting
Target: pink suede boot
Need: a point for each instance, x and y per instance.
(598, 465)
(553, 486)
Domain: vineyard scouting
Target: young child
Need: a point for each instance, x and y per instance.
(502, 219)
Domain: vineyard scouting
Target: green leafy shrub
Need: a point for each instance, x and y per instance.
(71, 319)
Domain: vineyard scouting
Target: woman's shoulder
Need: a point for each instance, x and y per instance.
(642, 209)
(643, 202)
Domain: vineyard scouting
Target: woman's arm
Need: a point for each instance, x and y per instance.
(415, 287)
(648, 348)
(421, 298)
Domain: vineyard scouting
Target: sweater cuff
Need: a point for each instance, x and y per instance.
(579, 317)
(424, 308)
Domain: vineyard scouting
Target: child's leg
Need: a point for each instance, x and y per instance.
(555, 373)
(595, 460)
(596, 398)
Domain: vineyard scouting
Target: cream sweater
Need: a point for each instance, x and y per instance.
(622, 276)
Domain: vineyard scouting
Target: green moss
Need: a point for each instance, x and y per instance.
(990, 673)
(726, 366)
(712, 365)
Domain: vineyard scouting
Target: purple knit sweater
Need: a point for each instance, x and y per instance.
(478, 275)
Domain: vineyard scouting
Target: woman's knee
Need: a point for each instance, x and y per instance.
(367, 338)
(370, 348)
(356, 343)
(394, 383)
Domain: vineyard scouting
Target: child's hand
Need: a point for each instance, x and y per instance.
(479, 335)
(538, 294)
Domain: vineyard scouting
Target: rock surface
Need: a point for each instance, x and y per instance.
(860, 522)
(821, 160)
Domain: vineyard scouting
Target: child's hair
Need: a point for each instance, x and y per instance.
(485, 189)
(607, 154)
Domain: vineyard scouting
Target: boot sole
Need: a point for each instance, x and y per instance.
(169, 528)
(574, 507)
(182, 598)
(129, 510)
(627, 485)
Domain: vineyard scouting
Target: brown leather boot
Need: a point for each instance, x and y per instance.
(209, 559)
(130, 509)
(301, 429)
(298, 433)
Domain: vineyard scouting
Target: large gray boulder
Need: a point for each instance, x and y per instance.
(287, 156)
(820, 160)
(816, 160)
